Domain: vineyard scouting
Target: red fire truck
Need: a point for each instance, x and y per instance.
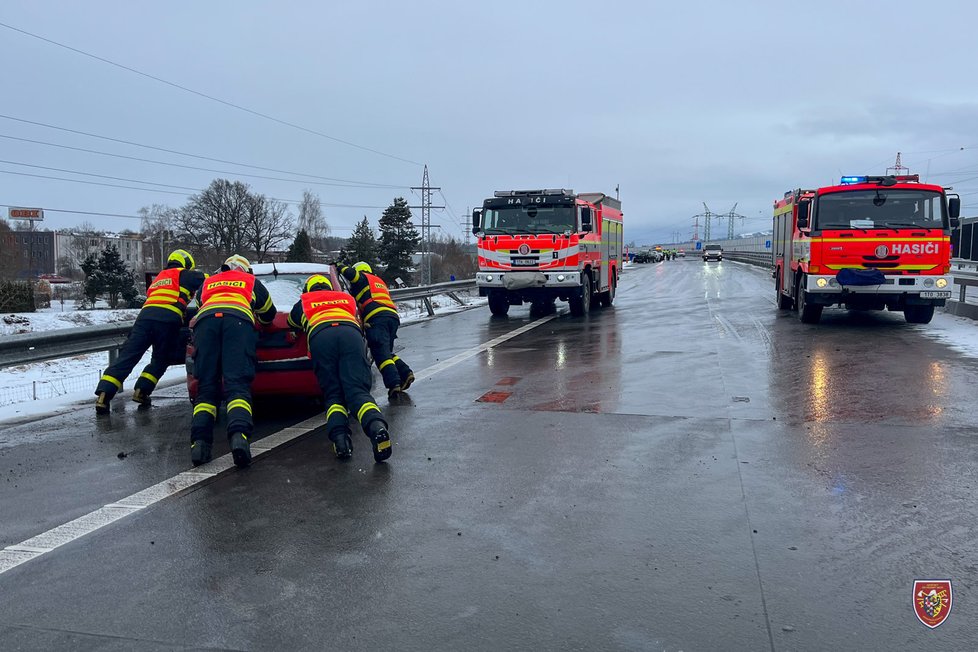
(869, 243)
(537, 246)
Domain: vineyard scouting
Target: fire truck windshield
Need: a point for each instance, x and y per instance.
(529, 219)
(885, 208)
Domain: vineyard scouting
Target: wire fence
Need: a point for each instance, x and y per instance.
(40, 390)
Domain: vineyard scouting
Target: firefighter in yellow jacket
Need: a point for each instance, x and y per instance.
(232, 305)
(335, 341)
(380, 321)
(159, 325)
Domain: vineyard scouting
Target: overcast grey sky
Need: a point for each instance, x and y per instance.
(678, 102)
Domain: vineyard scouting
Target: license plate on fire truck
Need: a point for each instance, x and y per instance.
(935, 294)
(524, 262)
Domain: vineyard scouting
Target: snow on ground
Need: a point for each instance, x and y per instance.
(52, 386)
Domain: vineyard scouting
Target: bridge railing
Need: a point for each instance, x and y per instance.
(25, 348)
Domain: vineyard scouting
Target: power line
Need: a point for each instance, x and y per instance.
(95, 183)
(209, 97)
(352, 184)
(168, 192)
(100, 176)
(179, 153)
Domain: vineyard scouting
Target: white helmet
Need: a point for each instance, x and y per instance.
(239, 263)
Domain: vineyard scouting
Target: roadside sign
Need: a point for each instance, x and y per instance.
(767, 244)
(33, 214)
(699, 245)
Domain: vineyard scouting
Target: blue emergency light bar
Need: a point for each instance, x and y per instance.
(850, 180)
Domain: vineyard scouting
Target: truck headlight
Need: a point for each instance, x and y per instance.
(560, 278)
(821, 282)
(928, 282)
(941, 282)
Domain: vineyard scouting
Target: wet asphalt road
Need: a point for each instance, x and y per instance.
(689, 470)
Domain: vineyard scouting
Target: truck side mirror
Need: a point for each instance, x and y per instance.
(476, 221)
(586, 225)
(954, 207)
(804, 208)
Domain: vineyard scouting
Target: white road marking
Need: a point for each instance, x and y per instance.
(17, 554)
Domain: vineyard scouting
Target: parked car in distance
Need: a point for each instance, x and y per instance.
(284, 367)
(712, 252)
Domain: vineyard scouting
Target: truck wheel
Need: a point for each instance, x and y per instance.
(918, 314)
(580, 304)
(605, 299)
(784, 302)
(808, 313)
(498, 303)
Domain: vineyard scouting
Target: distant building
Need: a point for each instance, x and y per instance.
(71, 249)
(34, 252)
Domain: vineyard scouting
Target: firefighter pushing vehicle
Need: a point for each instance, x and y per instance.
(537, 246)
(869, 243)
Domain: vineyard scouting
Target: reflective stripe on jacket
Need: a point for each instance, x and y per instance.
(165, 292)
(328, 308)
(374, 297)
(231, 292)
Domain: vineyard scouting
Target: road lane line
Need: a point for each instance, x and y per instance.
(15, 555)
(465, 355)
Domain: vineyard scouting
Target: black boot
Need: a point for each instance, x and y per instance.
(408, 380)
(380, 439)
(200, 452)
(240, 450)
(342, 445)
(102, 403)
(141, 397)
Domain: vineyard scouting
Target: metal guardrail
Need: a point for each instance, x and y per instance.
(428, 291)
(759, 258)
(425, 292)
(62, 343)
(26, 348)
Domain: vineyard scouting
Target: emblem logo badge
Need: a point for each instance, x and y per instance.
(882, 251)
(524, 249)
(932, 601)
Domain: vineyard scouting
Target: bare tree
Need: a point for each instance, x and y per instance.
(214, 220)
(268, 223)
(312, 220)
(79, 242)
(452, 260)
(157, 229)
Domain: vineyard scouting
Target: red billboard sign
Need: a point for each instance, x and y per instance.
(36, 214)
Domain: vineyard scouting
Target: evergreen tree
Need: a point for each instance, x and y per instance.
(300, 251)
(362, 245)
(107, 274)
(398, 240)
(93, 278)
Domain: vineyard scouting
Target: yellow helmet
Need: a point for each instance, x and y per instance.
(183, 257)
(363, 267)
(238, 262)
(317, 282)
